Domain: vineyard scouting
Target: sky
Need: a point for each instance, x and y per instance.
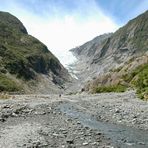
(65, 24)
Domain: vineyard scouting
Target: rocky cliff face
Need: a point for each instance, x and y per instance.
(90, 48)
(111, 51)
(26, 63)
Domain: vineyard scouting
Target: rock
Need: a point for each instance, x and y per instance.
(5, 115)
(87, 128)
(85, 143)
(40, 113)
(94, 143)
(6, 106)
(36, 143)
(108, 146)
(70, 141)
(43, 132)
(129, 144)
(141, 143)
(117, 111)
(2, 119)
(135, 116)
(78, 122)
(55, 134)
(14, 115)
(69, 119)
(98, 133)
(64, 132)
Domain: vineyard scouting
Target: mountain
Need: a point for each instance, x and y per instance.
(114, 49)
(106, 53)
(86, 54)
(26, 64)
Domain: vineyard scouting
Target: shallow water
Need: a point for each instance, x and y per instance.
(121, 136)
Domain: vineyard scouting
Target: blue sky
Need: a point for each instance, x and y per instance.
(64, 24)
(123, 10)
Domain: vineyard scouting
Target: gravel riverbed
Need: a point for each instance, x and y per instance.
(34, 121)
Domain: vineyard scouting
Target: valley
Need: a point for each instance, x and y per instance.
(101, 102)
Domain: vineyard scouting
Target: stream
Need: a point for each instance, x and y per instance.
(121, 136)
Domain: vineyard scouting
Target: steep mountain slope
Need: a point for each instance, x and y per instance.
(133, 74)
(26, 63)
(128, 41)
(90, 48)
(85, 55)
(113, 50)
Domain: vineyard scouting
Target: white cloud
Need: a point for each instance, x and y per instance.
(63, 33)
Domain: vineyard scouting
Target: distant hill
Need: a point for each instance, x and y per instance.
(26, 64)
(100, 57)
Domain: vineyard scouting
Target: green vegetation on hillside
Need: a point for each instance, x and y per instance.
(110, 88)
(7, 84)
(22, 55)
(138, 79)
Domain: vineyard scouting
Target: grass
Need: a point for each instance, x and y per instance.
(138, 79)
(7, 84)
(4, 96)
(110, 88)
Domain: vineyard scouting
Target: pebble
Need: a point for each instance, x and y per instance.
(2, 119)
(94, 143)
(6, 106)
(98, 133)
(55, 134)
(85, 143)
(78, 122)
(141, 143)
(70, 141)
(14, 115)
(117, 111)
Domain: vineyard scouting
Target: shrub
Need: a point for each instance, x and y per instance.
(7, 84)
(138, 78)
(110, 88)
